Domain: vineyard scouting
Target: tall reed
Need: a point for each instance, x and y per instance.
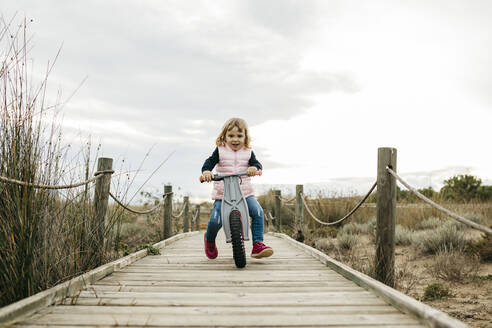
(46, 236)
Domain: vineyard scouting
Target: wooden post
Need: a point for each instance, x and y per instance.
(299, 207)
(186, 215)
(101, 196)
(386, 217)
(197, 220)
(168, 211)
(277, 194)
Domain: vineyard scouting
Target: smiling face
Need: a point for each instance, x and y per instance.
(235, 138)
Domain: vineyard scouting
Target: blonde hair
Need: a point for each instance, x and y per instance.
(241, 125)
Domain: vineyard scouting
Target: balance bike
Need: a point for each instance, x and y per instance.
(235, 215)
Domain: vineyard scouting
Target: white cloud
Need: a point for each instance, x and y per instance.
(322, 84)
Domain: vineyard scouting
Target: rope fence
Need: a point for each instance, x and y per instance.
(346, 216)
(439, 207)
(195, 216)
(133, 210)
(286, 200)
(97, 175)
(288, 209)
(177, 216)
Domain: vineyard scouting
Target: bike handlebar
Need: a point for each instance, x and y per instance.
(218, 177)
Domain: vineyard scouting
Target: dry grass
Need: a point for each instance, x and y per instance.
(432, 250)
(46, 236)
(453, 265)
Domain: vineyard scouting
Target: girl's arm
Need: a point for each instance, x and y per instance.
(254, 162)
(211, 161)
(254, 165)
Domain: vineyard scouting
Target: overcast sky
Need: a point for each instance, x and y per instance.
(322, 84)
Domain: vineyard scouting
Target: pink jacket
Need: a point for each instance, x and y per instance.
(230, 162)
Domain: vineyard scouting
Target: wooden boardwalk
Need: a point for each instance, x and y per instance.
(181, 287)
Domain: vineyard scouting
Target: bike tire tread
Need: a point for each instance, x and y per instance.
(238, 250)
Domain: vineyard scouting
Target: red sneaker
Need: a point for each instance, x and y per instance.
(210, 249)
(261, 250)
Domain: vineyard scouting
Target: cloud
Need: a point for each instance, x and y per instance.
(176, 62)
(315, 77)
(284, 17)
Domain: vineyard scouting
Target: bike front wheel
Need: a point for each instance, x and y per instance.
(238, 251)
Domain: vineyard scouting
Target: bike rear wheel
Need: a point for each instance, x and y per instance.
(238, 251)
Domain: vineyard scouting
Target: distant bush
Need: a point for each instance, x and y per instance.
(352, 228)
(371, 227)
(436, 291)
(448, 236)
(403, 236)
(429, 223)
(347, 241)
(465, 187)
(484, 193)
(475, 217)
(408, 196)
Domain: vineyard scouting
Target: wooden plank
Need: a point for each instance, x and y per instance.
(423, 312)
(397, 325)
(25, 307)
(222, 283)
(198, 319)
(231, 294)
(231, 272)
(217, 277)
(219, 310)
(201, 259)
(181, 287)
(228, 253)
(220, 266)
(203, 288)
(249, 300)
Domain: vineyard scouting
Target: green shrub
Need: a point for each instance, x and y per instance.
(430, 223)
(123, 248)
(484, 193)
(347, 241)
(403, 236)
(483, 248)
(474, 217)
(151, 250)
(485, 278)
(446, 237)
(436, 291)
(352, 228)
(463, 187)
(371, 227)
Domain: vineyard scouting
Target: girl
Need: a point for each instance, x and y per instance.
(233, 154)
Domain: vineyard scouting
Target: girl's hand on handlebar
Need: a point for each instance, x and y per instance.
(207, 176)
(251, 171)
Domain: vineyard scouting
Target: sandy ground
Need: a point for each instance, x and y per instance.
(470, 300)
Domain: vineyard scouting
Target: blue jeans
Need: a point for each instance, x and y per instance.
(255, 211)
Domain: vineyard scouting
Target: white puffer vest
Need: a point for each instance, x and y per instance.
(231, 162)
